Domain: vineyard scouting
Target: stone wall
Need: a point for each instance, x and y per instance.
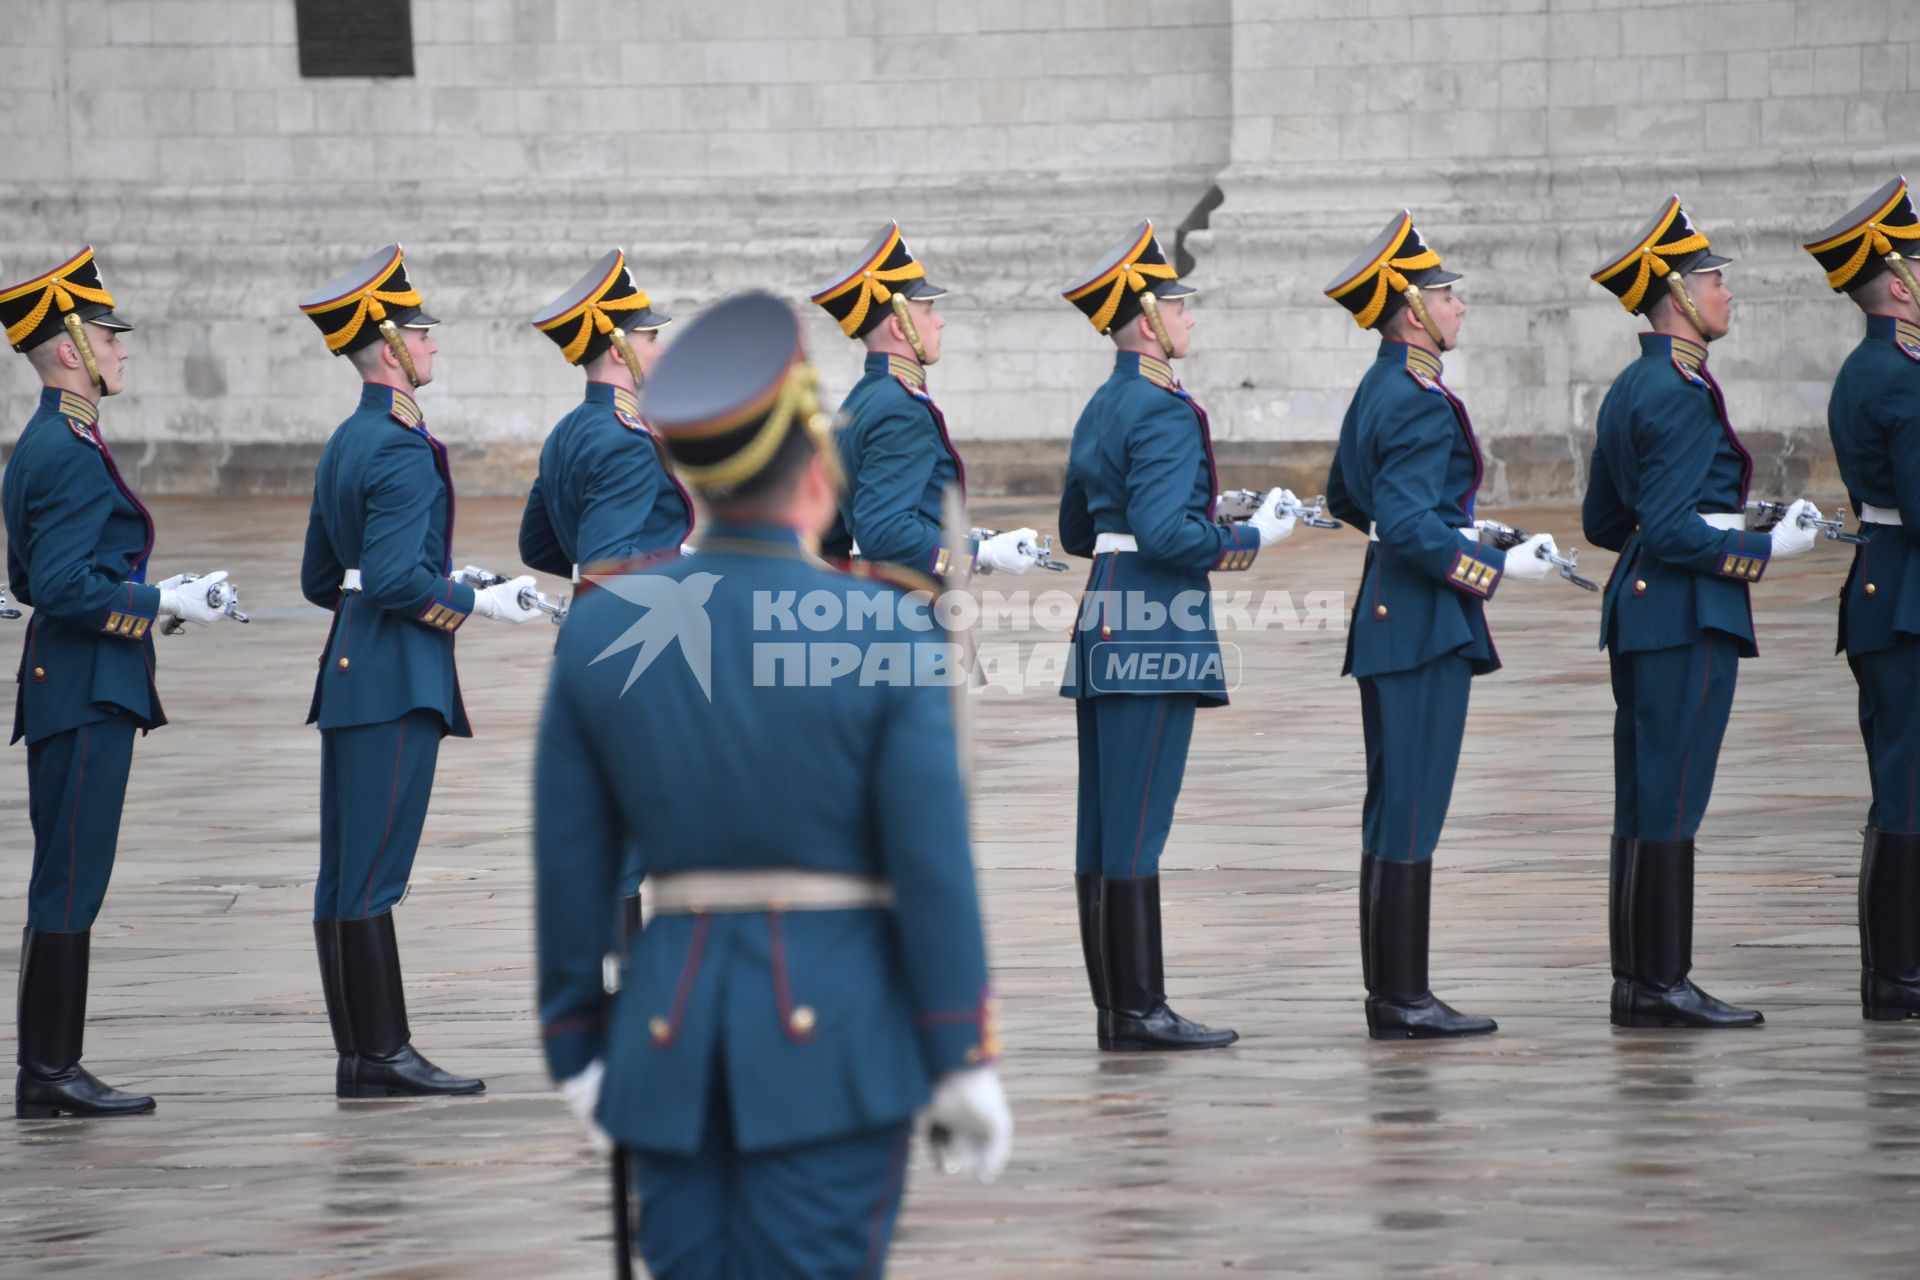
(729, 143)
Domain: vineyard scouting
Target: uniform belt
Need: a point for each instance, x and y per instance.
(1870, 514)
(1468, 532)
(1725, 519)
(350, 581)
(1115, 542)
(771, 889)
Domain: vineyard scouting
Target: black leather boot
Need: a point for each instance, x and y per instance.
(383, 1064)
(1086, 892)
(1659, 936)
(1619, 851)
(326, 944)
(1366, 913)
(1400, 1006)
(1136, 975)
(1890, 926)
(629, 922)
(52, 1024)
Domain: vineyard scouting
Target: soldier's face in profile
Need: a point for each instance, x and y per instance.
(1447, 311)
(111, 356)
(1713, 300)
(928, 321)
(646, 351)
(422, 347)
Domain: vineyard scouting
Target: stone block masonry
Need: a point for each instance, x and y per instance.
(736, 143)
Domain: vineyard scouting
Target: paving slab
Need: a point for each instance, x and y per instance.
(1559, 1146)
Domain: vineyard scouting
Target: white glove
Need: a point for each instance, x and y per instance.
(471, 575)
(968, 1123)
(1274, 524)
(1002, 551)
(1789, 539)
(189, 599)
(1526, 563)
(686, 548)
(582, 1093)
(502, 602)
(178, 579)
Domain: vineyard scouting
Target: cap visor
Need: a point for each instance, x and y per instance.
(108, 320)
(419, 320)
(1709, 261)
(1439, 276)
(1171, 289)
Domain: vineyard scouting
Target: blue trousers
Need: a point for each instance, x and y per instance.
(1133, 754)
(375, 780)
(822, 1211)
(76, 785)
(1413, 722)
(1890, 724)
(1670, 715)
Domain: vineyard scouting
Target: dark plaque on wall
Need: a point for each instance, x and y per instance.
(354, 37)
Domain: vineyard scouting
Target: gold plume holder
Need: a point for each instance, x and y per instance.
(77, 330)
(398, 345)
(904, 315)
(1150, 307)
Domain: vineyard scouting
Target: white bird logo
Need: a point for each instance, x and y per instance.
(676, 609)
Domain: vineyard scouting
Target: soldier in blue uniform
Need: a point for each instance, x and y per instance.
(1874, 419)
(814, 971)
(78, 540)
(1667, 489)
(1140, 496)
(1407, 469)
(377, 557)
(606, 490)
(894, 448)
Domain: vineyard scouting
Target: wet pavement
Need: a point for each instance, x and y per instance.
(1559, 1146)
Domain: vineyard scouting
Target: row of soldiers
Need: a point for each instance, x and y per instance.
(812, 974)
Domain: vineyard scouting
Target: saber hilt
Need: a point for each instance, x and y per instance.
(529, 597)
(1506, 538)
(1238, 505)
(1040, 550)
(1772, 513)
(222, 596)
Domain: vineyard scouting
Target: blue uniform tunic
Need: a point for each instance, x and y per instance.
(603, 492)
(898, 461)
(78, 539)
(387, 690)
(1675, 618)
(1874, 420)
(1143, 655)
(763, 1065)
(1407, 468)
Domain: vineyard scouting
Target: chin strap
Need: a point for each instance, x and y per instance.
(398, 345)
(1150, 307)
(77, 330)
